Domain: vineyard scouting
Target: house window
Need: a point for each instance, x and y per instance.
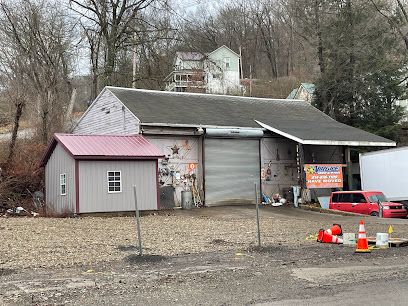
(227, 62)
(63, 184)
(114, 181)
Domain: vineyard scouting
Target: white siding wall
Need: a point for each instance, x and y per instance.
(108, 115)
(227, 84)
(189, 152)
(279, 156)
(60, 162)
(93, 186)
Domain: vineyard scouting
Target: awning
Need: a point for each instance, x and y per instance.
(322, 133)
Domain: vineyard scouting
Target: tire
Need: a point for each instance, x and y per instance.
(375, 214)
(405, 203)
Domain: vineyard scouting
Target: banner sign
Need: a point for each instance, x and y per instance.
(324, 176)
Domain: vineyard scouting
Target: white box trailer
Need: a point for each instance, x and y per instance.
(386, 171)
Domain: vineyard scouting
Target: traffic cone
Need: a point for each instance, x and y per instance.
(362, 242)
(324, 237)
(335, 230)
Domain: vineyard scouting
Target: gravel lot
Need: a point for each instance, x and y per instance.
(48, 242)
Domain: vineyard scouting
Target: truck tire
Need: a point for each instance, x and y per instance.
(405, 203)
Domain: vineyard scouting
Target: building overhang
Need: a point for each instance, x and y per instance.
(328, 142)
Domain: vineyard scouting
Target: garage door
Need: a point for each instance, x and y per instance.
(231, 168)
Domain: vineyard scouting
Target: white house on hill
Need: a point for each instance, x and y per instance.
(214, 72)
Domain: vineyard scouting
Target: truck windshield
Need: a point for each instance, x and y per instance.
(377, 197)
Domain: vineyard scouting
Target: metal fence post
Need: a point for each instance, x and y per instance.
(257, 214)
(139, 236)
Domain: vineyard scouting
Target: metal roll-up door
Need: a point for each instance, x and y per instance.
(231, 168)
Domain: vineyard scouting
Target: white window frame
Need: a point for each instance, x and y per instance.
(114, 175)
(63, 182)
(227, 62)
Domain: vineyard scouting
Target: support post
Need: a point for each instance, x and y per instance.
(139, 236)
(257, 214)
(349, 172)
(302, 173)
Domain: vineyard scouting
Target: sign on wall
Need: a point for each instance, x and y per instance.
(324, 176)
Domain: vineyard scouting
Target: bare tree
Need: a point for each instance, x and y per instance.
(396, 15)
(114, 21)
(38, 37)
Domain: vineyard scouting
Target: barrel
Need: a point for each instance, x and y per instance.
(186, 200)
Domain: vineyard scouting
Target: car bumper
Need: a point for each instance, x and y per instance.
(394, 213)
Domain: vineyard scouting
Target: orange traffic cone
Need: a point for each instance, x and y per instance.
(335, 230)
(362, 242)
(324, 237)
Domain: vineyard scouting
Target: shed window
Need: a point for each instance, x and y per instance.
(63, 184)
(114, 181)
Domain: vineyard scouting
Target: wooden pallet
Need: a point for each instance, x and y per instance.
(393, 242)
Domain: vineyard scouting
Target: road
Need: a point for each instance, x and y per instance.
(22, 134)
(378, 293)
(269, 277)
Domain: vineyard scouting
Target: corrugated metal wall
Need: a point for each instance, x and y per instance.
(93, 186)
(60, 162)
(108, 116)
(231, 168)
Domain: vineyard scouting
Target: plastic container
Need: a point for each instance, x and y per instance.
(324, 202)
(186, 200)
(381, 240)
(349, 239)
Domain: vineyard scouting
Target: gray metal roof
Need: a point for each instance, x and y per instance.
(190, 55)
(294, 119)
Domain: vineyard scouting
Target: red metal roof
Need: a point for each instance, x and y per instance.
(104, 147)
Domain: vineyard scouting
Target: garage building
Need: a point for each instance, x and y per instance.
(222, 145)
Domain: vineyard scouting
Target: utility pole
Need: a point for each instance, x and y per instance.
(240, 67)
(134, 61)
(250, 80)
(349, 170)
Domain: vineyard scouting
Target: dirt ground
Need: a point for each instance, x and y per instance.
(202, 256)
(47, 242)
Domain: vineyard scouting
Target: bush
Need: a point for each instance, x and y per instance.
(22, 176)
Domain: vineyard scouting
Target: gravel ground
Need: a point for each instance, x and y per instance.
(48, 242)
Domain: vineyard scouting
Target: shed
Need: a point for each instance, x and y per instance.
(96, 173)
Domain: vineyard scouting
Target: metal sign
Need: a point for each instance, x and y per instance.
(324, 175)
(192, 166)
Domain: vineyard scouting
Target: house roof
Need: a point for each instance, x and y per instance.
(224, 47)
(292, 94)
(92, 147)
(309, 87)
(190, 56)
(293, 119)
